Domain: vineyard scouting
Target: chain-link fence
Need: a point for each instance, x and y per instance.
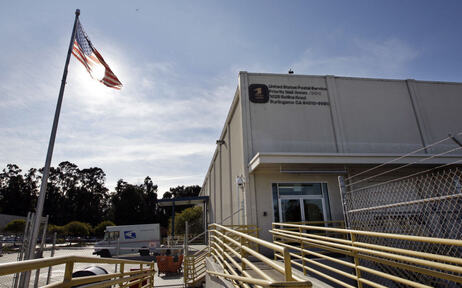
(426, 204)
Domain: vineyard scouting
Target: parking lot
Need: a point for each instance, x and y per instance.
(58, 271)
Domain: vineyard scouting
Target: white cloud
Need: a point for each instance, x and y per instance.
(363, 58)
(159, 125)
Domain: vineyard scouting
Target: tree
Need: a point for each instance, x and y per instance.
(194, 217)
(17, 195)
(135, 204)
(167, 195)
(55, 204)
(74, 194)
(89, 199)
(101, 227)
(150, 199)
(128, 204)
(80, 194)
(183, 192)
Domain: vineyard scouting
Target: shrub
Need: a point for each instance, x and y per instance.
(76, 228)
(99, 229)
(91, 230)
(16, 226)
(55, 228)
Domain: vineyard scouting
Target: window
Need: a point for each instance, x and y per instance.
(111, 236)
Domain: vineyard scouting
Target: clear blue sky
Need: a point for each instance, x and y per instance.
(178, 61)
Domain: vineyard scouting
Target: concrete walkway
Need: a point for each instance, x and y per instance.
(169, 280)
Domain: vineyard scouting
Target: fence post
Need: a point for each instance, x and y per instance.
(273, 226)
(194, 268)
(52, 255)
(40, 250)
(68, 272)
(210, 237)
(241, 240)
(356, 259)
(341, 184)
(258, 236)
(300, 230)
(287, 265)
(186, 238)
(122, 268)
(141, 279)
(151, 278)
(223, 231)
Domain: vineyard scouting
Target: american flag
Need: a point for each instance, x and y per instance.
(87, 54)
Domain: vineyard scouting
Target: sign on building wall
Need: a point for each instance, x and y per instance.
(288, 94)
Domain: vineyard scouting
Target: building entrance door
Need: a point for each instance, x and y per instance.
(296, 202)
(301, 209)
(290, 210)
(314, 210)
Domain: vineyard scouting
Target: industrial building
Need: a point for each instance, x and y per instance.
(288, 137)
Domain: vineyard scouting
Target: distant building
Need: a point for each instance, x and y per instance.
(287, 138)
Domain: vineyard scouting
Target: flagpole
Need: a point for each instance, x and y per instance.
(46, 169)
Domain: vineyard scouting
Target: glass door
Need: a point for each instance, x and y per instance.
(290, 210)
(313, 209)
(296, 202)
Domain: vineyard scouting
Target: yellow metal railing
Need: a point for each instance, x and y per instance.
(307, 253)
(333, 224)
(232, 249)
(194, 267)
(142, 278)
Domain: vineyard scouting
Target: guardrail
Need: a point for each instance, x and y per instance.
(231, 250)
(366, 262)
(194, 267)
(333, 224)
(143, 278)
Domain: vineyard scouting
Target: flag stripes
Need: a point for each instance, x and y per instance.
(87, 54)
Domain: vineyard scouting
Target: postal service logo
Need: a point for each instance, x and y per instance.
(130, 234)
(258, 93)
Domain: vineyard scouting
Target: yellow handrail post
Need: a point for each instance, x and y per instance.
(356, 259)
(273, 226)
(223, 233)
(300, 230)
(122, 268)
(140, 283)
(287, 265)
(194, 267)
(258, 236)
(68, 271)
(242, 252)
(151, 278)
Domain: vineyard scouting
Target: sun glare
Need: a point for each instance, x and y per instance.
(91, 93)
(98, 72)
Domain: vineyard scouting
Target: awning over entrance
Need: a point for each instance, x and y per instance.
(183, 201)
(273, 159)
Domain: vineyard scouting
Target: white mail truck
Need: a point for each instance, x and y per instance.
(128, 239)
